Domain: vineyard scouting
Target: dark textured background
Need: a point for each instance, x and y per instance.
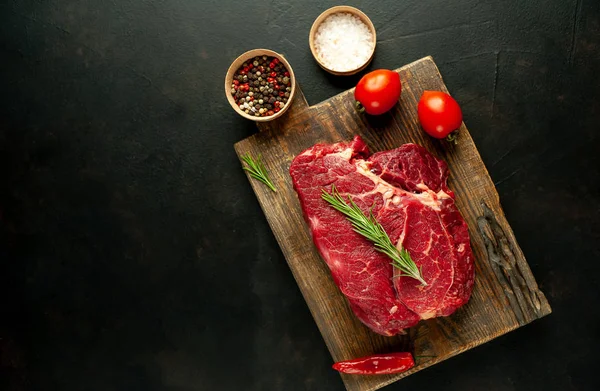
(134, 255)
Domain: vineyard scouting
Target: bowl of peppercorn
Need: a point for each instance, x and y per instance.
(260, 85)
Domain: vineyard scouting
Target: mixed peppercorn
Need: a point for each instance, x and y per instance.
(261, 86)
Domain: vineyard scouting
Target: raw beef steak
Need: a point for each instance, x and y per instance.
(406, 187)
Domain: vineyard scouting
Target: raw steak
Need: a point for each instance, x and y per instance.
(406, 187)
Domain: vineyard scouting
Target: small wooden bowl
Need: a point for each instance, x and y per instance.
(237, 63)
(322, 17)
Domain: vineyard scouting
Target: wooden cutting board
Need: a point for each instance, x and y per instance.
(505, 295)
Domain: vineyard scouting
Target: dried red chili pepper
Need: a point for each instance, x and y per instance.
(377, 364)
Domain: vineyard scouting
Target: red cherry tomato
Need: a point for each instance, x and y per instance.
(439, 114)
(378, 91)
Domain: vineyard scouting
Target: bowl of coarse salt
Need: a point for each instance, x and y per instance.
(342, 40)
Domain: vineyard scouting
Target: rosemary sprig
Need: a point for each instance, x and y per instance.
(257, 170)
(368, 227)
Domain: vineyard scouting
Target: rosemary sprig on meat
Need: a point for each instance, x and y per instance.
(257, 170)
(367, 226)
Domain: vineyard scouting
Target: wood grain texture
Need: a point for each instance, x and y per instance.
(505, 295)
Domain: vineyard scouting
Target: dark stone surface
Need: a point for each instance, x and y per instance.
(134, 255)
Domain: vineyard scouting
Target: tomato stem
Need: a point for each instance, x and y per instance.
(359, 107)
(452, 137)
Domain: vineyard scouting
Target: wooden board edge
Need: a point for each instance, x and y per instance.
(257, 188)
(508, 263)
(464, 349)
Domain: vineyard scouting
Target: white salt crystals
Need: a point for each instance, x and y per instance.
(343, 42)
